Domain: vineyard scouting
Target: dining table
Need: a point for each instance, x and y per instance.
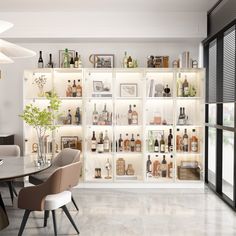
(16, 167)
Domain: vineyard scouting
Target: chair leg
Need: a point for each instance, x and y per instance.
(9, 183)
(23, 223)
(54, 222)
(64, 208)
(73, 200)
(14, 190)
(46, 215)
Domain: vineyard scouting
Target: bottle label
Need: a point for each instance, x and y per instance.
(162, 147)
(138, 147)
(186, 91)
(100, 147)
(194, 146)
(95, 119)
(156, 149)
(93, 144)
(185, 142)
(134, 119)
(106, 145)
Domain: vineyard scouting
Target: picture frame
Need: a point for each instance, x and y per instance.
(102, 60)
(156, 134)
(61, 56)
(128, 90)
(97, 86)
(69, 142)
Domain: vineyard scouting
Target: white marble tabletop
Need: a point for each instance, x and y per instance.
(15, 167)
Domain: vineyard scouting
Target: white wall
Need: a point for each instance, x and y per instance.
(11, 97)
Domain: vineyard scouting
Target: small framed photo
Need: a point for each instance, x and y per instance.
(103, 60)
(156, 134)
(69, 142)
(97, 86)
(61, 56)
(128, 90)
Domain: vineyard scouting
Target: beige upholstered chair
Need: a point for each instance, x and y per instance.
(11, 151)
(65, 157)
(54, 193)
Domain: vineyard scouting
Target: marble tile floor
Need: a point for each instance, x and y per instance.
(131, 212)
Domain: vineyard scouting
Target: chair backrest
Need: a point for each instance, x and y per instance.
(64, 178)
(10, 150)
(66, 157)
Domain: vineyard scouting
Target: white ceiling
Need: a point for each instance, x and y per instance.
(106, 5)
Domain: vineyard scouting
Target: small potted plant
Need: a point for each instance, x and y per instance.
(42, 120)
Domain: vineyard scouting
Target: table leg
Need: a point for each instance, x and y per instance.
(3, 215)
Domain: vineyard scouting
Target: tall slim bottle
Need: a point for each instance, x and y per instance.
(40, 60)
(132, 143)
(130, 115)
(93, 143)
(106, 143)
(95, 115)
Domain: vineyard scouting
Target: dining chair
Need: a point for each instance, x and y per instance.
(10, 151)
(54, 193)
(65, 157)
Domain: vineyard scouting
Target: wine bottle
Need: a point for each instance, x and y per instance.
(125, 61)
(78, 116)
(138, 144)
(76, 60)
(100, 146)
(194, 142)
(95, 115)
(105, 114)
(170, 141)
(130, 115)
(93, 143)
(162, 144)
(121, 148)
(50, 63)
(132, 143)
(69, 118)
(164, 167)
(40, 60)
(171, 168)
(178, 141)
(79, 89)
(149, 165)
(129, 62)
(134, 116)
(185, 87)
(106, 143)
(156, 145)
(181, 118)
(151, 142)
(185, 141)
(179, 87)
(127, 143)
(72, 64)
(74, 90)
(69, 89)
(66, 63)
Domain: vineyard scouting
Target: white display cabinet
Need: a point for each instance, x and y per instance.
(156, 97)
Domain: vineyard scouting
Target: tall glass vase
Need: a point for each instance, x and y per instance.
(41, 151)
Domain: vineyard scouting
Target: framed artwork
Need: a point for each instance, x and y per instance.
(156, 134)
(97, 86)
(102, 60)
(128, 90)
(69, 142)
(61, 56)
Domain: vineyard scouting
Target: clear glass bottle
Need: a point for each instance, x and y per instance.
(194, 141)
(95, 115)
(127, 143)
(69, 117)
(79, 89)
(69, 89)
(151, 142)
(125, 60)
(66, 62)
(134, 116)
(100, 146)
(106, 142)
(185, 87)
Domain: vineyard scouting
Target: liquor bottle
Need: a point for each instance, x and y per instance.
(127, 143)
(106, 143)
(125, 61)
(66, 63)
(130, 115)
(80, 62)
(166, 146)
(78, 116)
(138, 144)
(40, 60)
(100, 146)
(79, 89)
(162, 144)
(171, 168)
(132, 143)
(181, 118)
(74, 90)
(105, 114)
(69, 118)
(134, 116)
(194, 142)
(95, 115)
(178, 141)
(72, 64)
(185, 141)
(170, 141)
(149, 165)
(156, 145)
(151, 142)
(76, 60)
(69, 89)
(121, 144)
(179, 87)
(164, 167)
(129, 62)
(50, 63)
(93, 143)
(185, 87)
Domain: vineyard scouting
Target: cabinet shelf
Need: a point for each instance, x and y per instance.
(189, 98)
(159, 98)
(128, 98)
